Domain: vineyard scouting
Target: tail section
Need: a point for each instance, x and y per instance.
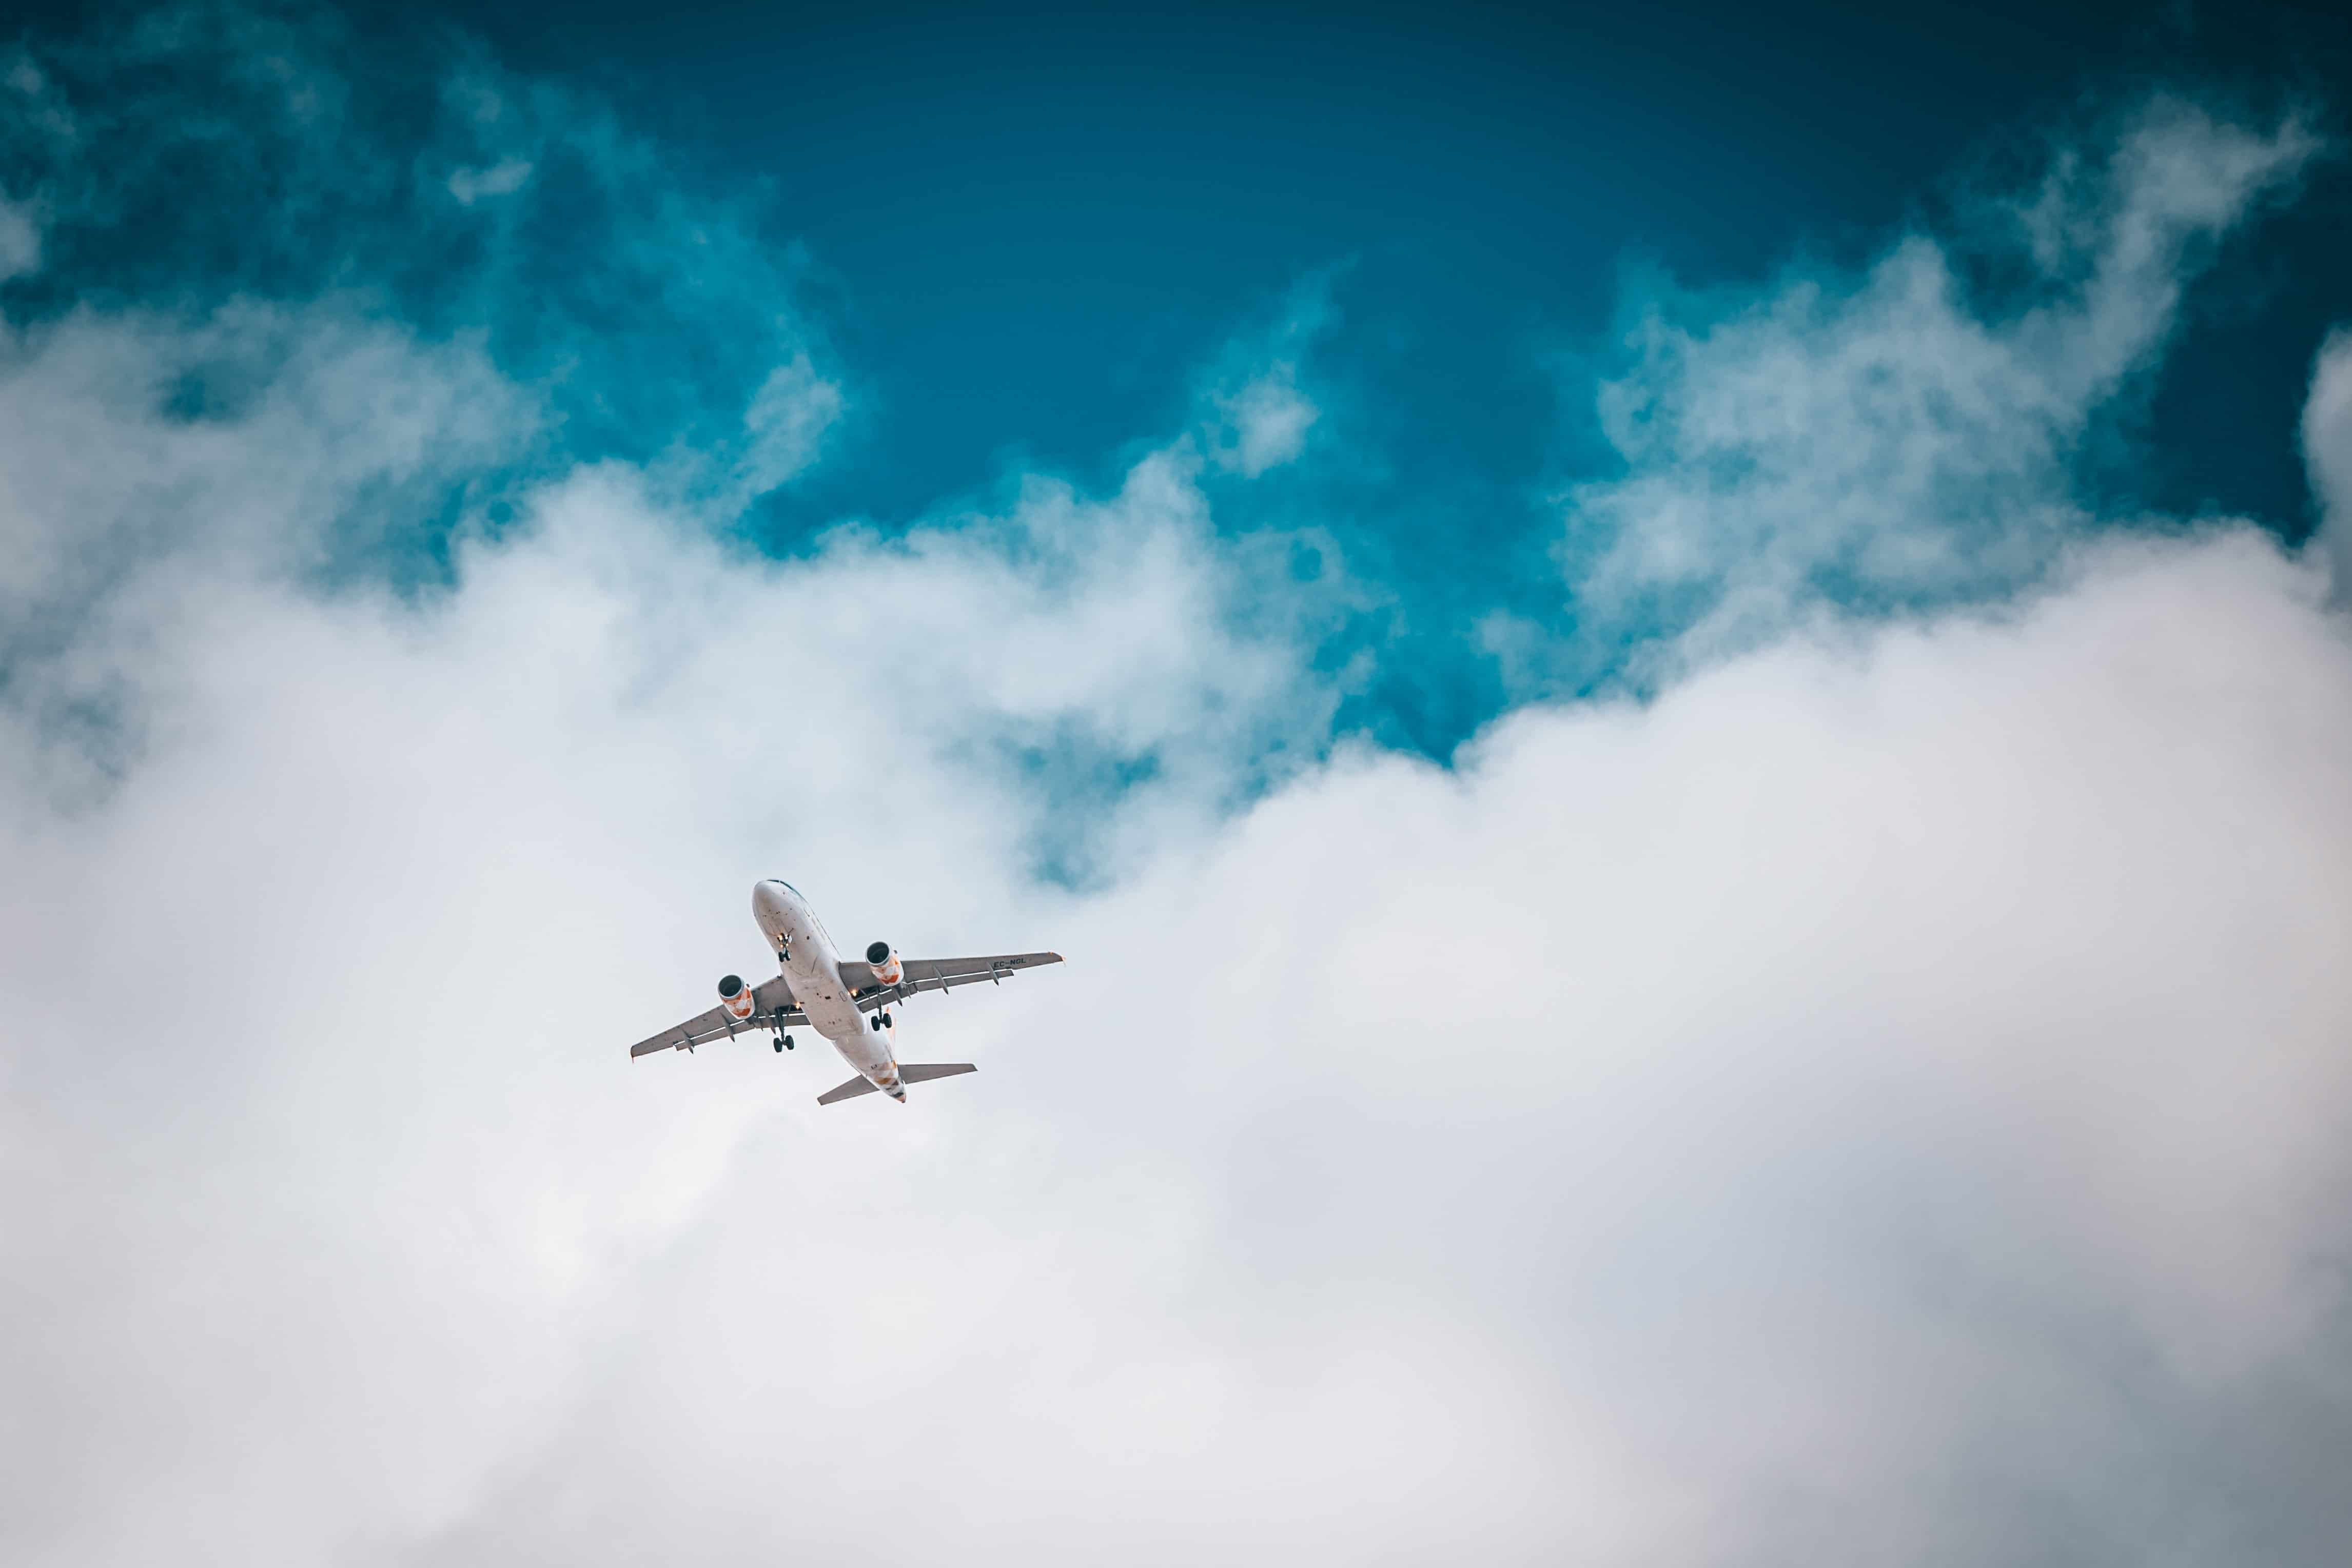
(908, 1072)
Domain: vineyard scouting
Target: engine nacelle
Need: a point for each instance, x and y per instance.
(735, 996)
(882, 958)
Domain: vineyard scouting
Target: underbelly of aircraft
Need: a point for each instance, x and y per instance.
(832, 1014)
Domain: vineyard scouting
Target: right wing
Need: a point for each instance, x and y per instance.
(920, 974)
(772, 1007)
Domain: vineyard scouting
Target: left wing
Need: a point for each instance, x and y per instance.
(772, 1006)
(920, 975)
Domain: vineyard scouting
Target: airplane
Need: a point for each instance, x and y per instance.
(847, 1002)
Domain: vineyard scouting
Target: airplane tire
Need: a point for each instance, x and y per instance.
(779, 1048)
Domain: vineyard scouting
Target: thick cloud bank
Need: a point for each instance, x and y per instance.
(1884, 1096)
(1889, 1092)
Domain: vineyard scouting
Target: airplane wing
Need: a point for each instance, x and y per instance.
(772, 1004)
(936, 974)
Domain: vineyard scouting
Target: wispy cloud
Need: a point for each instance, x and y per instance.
(1904, 436)
(786, 421)
(212, 154)
(1258, 415)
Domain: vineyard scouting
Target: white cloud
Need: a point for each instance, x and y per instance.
(1871, 1071)
(143, 450)
(1888, 437)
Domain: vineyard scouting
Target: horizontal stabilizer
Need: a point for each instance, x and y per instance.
(908, 1072)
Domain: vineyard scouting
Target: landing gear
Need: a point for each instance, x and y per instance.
(784, 1044)
(875, 1023)
(885, 1017)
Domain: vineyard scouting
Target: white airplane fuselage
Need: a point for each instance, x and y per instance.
(813, 968)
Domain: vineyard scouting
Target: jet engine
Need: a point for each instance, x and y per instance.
(735, 996)
(884, 960)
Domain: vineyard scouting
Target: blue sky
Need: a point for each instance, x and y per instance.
(1676, 681)
(1487, 173)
